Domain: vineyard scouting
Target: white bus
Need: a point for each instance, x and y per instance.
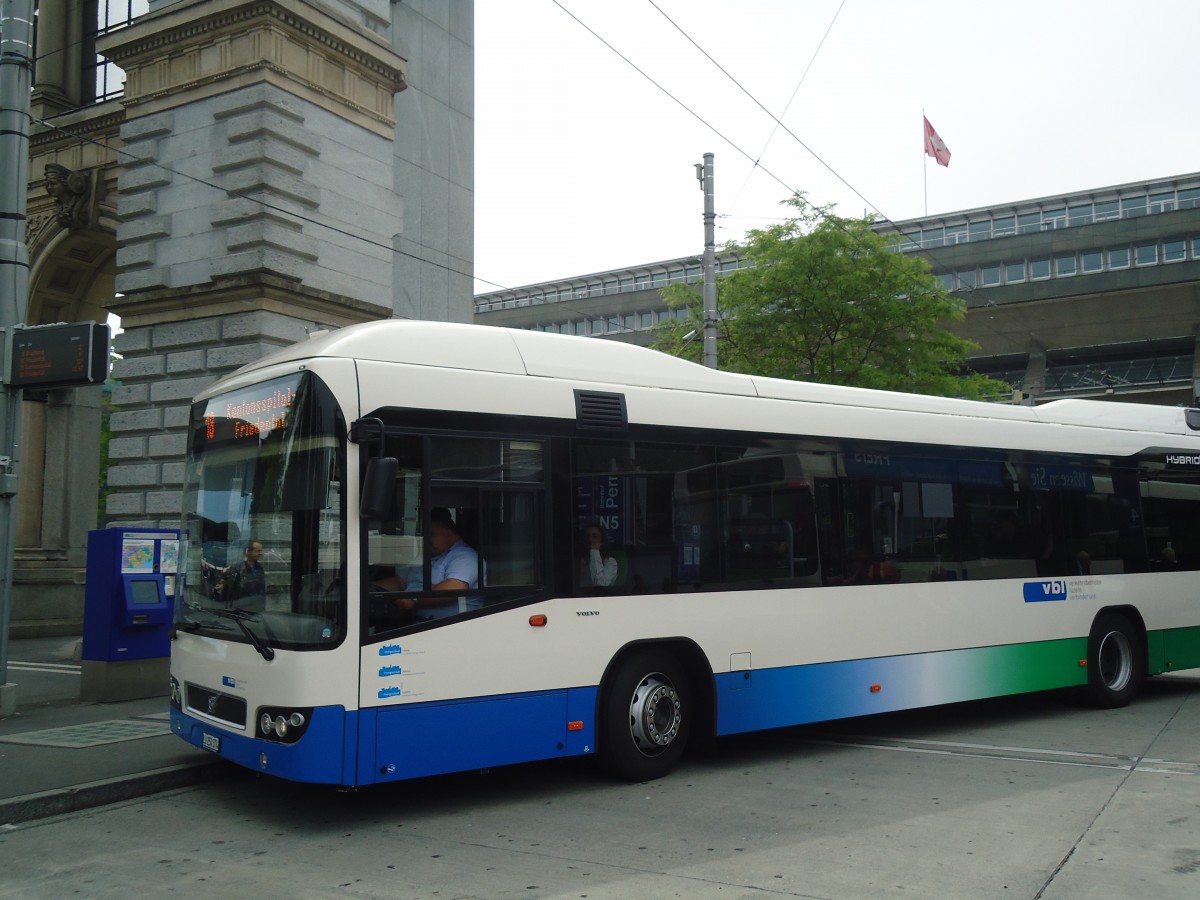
(768, 553)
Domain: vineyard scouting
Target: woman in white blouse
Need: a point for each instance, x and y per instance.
(602, 566)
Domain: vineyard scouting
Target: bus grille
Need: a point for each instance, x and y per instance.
(216, 705)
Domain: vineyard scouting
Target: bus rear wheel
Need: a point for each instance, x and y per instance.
(1116, 661)
(645, 717)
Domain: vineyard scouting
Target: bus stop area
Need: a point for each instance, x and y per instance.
(1029, 796)
(1035, 796)
(59, 753)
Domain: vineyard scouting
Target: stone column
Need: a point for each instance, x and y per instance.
(256, 204)
(57, 83)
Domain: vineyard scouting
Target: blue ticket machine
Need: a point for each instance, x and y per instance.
(129, 603)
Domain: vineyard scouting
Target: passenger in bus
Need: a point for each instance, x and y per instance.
(1083, 563)
(245, 584)
(1166, 558)
(602, 566)
(454, 569)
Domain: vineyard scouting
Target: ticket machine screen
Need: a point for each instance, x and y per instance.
(144, 592)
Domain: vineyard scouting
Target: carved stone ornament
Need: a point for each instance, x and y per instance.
(34, 226)
(72, 193)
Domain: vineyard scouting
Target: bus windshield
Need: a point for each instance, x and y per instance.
(264, 517)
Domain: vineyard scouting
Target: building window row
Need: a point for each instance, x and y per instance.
(1064, 265)
(611, 324)
(1064, 214)
(604, 285)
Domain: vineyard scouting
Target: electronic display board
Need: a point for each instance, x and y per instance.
(56, 356)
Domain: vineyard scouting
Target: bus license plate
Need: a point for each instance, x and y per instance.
(212, 742)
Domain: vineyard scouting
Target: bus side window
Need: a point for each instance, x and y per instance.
(511, 537)
(395, 544)
(1170, 502)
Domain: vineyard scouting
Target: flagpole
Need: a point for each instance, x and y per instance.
(924, 165)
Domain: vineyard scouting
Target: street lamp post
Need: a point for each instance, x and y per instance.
(16, 66)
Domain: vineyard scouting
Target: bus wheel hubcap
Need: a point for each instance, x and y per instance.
(1116, 661)
(654, 715)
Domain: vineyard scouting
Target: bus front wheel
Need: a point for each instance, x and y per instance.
(646, 716)
(1116, 663)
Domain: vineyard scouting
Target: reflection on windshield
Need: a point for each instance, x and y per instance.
(263, 516)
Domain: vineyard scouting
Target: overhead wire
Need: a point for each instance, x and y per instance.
(787, 106)
(682, 105)
(923, 251)
(794, 193)
(778, 122)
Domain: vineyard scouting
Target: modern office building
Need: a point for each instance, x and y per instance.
(1090, 294)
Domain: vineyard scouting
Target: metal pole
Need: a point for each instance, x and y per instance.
(16, 68)
(710, 265)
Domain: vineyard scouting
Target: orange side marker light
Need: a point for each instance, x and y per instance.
(876, 688)
(538, 620)
(575, 726)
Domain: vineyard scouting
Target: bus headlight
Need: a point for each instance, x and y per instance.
(283, 725)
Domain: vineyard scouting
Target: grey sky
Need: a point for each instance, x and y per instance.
(582, 164)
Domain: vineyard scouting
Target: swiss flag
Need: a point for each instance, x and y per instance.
(935, 146)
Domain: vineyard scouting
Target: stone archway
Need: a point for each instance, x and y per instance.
(72, 274)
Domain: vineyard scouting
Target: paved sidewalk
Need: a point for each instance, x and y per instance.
(59, 754)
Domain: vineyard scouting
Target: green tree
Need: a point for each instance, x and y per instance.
(827, 300)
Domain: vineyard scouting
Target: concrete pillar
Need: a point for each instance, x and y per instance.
(1195, 399)
(1035, 373)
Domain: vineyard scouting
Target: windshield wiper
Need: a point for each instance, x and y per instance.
(190, 625)
(240, 616)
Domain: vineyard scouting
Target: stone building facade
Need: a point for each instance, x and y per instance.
(268, 169)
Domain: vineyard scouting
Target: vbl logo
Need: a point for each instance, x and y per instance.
(1041, 591)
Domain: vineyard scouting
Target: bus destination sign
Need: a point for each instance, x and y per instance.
(59, 356)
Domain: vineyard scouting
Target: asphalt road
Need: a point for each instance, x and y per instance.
(1031, 797)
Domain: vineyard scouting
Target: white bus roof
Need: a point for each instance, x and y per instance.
(536, 354)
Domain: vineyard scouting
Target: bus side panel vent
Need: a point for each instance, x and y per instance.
(596, 411)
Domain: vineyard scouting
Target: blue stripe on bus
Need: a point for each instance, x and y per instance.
(419, 739)
(324, 755)
(390, 743)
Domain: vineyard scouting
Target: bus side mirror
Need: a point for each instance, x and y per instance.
(379, 488)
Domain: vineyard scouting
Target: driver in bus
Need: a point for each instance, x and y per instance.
(455, 568)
